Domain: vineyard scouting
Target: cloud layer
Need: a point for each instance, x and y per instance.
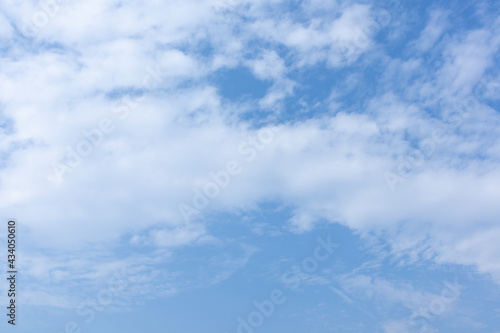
(113, 118)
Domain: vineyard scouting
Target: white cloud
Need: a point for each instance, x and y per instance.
(176, 236)
(268, 66)
(438, 22)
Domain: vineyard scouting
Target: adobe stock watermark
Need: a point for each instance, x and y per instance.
(47, 10)
(94, 137)
(292, 279)
(103, 298)
(437, 306)
(416, 158)
(247, 151)
(453, 117)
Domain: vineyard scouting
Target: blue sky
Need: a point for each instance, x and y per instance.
(252, 166)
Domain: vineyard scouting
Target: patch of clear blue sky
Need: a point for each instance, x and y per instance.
(311, 308)
(239, 84)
